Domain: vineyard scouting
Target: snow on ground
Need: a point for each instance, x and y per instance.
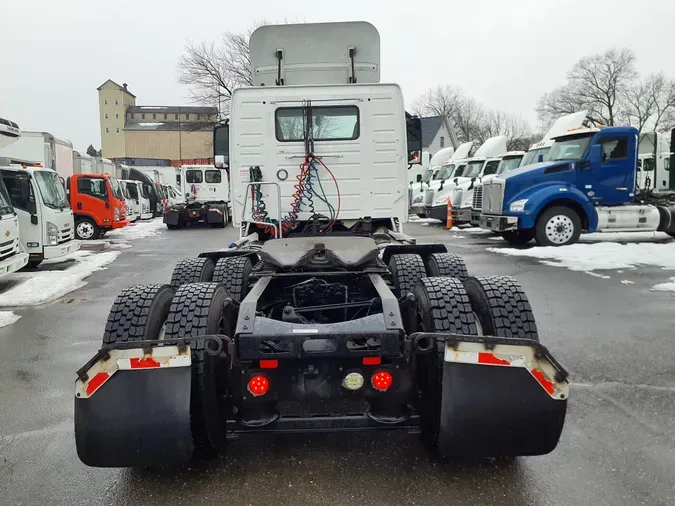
(417, 219)
(45, 285)
(137, 230)
(7, 318)
(665, 287)
(602, 256)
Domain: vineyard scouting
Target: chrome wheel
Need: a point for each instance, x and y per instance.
(559, 229)
(85, 230)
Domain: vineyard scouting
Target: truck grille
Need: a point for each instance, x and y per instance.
(493, 196)
(65, 235)
(9, 248)
(429, 198)
(477, 197)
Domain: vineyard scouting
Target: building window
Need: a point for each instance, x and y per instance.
(166, 116)
(132, 115)
(117, 116)
(106, 130)
(154, 116)
(176, 118)
(143, 116)
(442, 142)
(199, 116)
(116, 102)
(105, 101)
(106, 115)
(117, 129)
(187, 116)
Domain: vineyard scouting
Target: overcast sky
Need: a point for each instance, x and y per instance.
(504, 53)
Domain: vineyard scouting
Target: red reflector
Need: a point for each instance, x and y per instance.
(269, 364)
(258, 385)
(382, 380)
(489, 358)
(96, 382)
(372, 360)
(543, 381)
(143, 363)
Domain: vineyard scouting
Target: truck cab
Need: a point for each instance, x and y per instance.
(131, 201)
(460, 192)
(207, 193)
(430, 177)
(41, 204)
(510, 161)
(98, 202)
(146, 211)
(588, 184)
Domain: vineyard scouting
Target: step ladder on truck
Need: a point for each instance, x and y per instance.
(323, 301)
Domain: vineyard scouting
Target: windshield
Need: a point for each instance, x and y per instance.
(508, 164)
(144, 191)
(52, 190)
(532, 156)
(132, 190)
(5, 205)
(117, 191)
(460, 171)
(473, 168)
(446, 171)
(426, 177)
(569, 148)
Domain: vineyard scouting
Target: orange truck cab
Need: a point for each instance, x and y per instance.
(98, 204)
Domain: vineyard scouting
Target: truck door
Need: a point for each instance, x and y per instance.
(22, 197)
(92, 199)
(614, 180)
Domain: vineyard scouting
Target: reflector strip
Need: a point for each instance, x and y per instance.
(372, 360)
(269, 364)
(510, 356)
(96, 382)
(143, 363)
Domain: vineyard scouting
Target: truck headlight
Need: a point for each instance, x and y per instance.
(518, 206)
(116, 214)
(441, 201)
(52, 234)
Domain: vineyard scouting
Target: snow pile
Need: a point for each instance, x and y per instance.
(665, 287)
(474, 230)
(417, 219)
(150, 124)
(137, 230)
(7, 318)
(600, 256)
(48, 285)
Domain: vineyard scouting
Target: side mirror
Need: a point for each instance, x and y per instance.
(414, 136)
(596, 156)
(32, 209)
(221, 145)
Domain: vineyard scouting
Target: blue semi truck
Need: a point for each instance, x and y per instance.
(587, 184)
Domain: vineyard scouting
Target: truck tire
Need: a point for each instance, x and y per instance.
(446, 265)
(518, 237)
(502, 307)
(192, 270)
(406, 270)
(233, 273)
(138, 314)
(442, 306)
(198, 309)
(86, 229)
(557, 226)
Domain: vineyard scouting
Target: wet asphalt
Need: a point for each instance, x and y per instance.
(618, 445)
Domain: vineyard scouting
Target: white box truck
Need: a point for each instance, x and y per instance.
(44, 149)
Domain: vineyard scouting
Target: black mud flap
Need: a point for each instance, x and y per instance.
(133, 418)
(171, 216)
(214, 216)
(505, 401)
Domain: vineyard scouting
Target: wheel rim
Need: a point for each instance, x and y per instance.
(559, 229)
(85, 230)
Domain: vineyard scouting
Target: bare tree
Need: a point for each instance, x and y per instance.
(516, 129)
(595, 83)
(212, 71)
(439, 101)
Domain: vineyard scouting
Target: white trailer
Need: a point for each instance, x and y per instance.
(44, 149)
(103, 166)
(82, 163)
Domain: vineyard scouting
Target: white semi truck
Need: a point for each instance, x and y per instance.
(12, 255)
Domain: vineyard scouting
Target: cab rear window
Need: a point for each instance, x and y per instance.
(194, 176)
(213, 176)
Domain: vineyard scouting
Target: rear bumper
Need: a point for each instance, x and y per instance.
(499, 223)
(13, 263)
(62, 249)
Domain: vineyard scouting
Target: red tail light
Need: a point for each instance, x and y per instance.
(258, 385)
(382, 380)
(372, 360)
